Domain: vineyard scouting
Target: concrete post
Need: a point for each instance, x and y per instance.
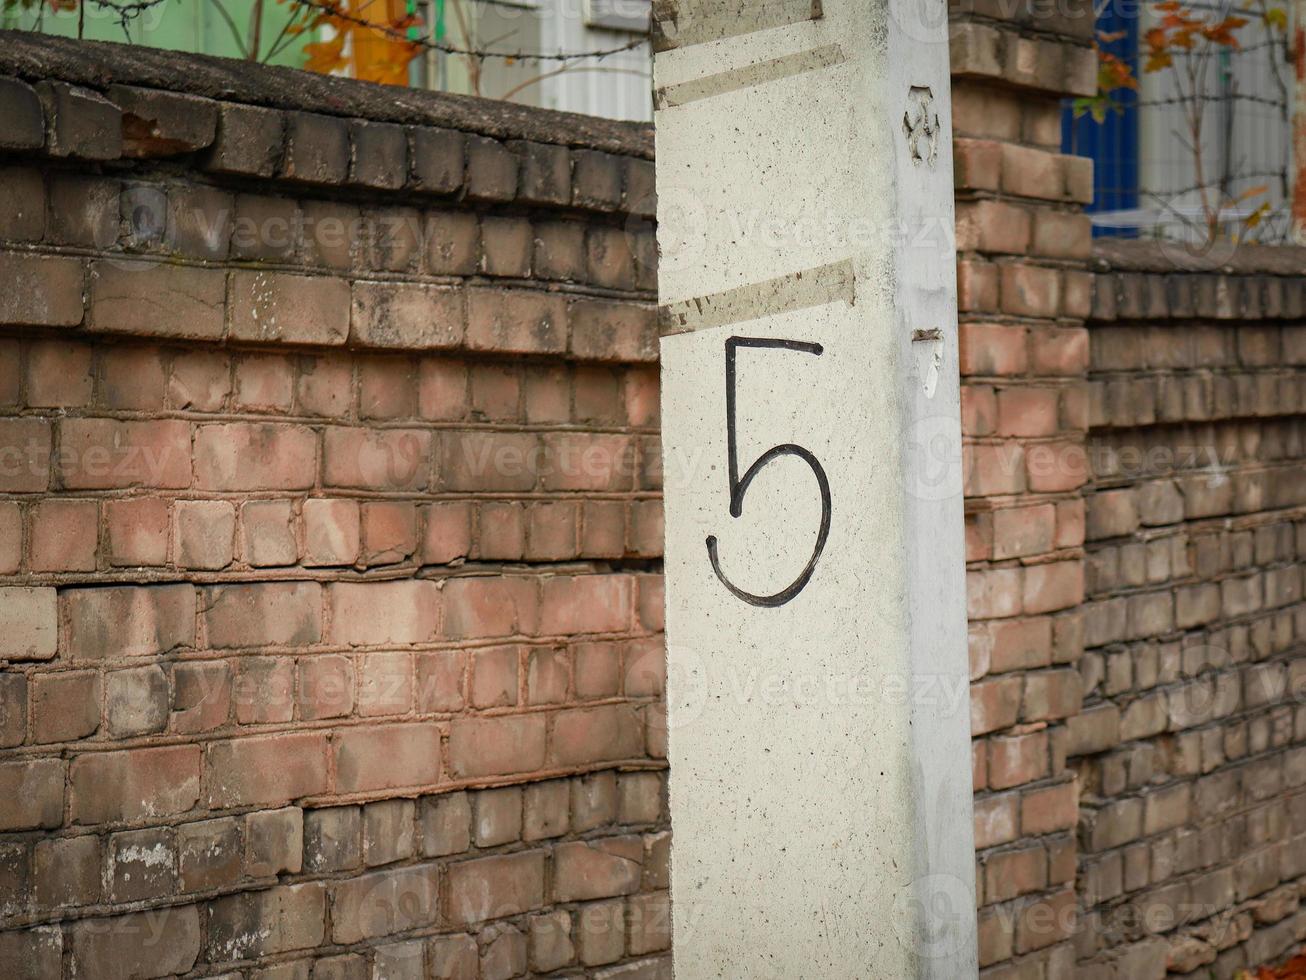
(815, 561)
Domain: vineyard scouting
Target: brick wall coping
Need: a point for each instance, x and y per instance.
(36, 57)
(1148, 280)
(1135, 255)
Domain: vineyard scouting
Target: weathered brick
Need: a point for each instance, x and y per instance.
(494, 887)
(588, 735)
(251, 925)
(208, 854)
(275, 306)
(586, 870)
(205, 533)
(136, 701)
(387, 757)
(384, 902)
(274, 841)
(161, 123)
(516, 321)
(263, 614)
(265, 771)
(35, 791)
(445, 824)
(80, 122)
(491, 170)
(384, 613)
(45, 290)
(28, 623)
(140, 864)
(437, 159)
(497, 746)
(67, 871)
(333, 839)
(379, 154)
(157, 943)
(374, 459)
(133, 784)
(185, 302)
(106, 454)
(406, 315)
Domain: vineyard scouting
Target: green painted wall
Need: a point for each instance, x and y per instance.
(180, 25)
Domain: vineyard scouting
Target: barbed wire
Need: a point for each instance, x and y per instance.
(445, 48)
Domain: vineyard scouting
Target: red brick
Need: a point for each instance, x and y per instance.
(1058, 585)
(495, 677)
(67, 871)
(28, 623)
(325, 386)
(484, 607)
(585, 604)
(1052, 694)
(332, 532)
(274, 306)
(447, 532)
(264, 383)
(255, 456)
(388, 757)
(376, 459)
(1027, 411)
(495, 887)
(412, 316)
(1048, 810)
(548, 675)
(516, 321)
(992, 349)
(182, 301)
(103, 454)
(587, 735)
(201, 696)
(1011, 873)
(136, 701)
(977, 164)
(496, 746)
(620, 332)
(389, 532)
(263, 614)
(265, 771)
(452, 241)
(134, 784)
(1019, 531)
(137, 531)
(159, 943)
(206, 533)
(128, 621)
(386, 388)
(326, 687)
(992, 226)
(385, 683)
(268, 533)
(494, 462)
(383, 613)
(65, 705)
(1017, 759)
(25, 455)
(385, 902)
(440, 678)
(1020, 644)
(992, 469)
(977, 286)
(1056, 467)
(34, 794)
(587, 461)
(1029, 290)
(586, 870)
(501, 532)
(442, 389)
(64, 535)
(1058, 350)
(994, 704)
(253, 925)
(200, 380)
(59, 375)
(264, 690)
(44, 290)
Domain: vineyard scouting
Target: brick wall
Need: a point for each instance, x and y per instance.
(1024, 291)
(1191, 746)
(330, 533)
(329, 527)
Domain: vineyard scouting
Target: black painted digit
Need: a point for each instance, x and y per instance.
(739, 487)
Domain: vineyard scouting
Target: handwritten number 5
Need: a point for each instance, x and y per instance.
(739, 486)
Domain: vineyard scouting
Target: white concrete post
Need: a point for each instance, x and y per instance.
(815, 560)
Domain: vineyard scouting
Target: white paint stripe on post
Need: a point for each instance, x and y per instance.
(815, 560)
